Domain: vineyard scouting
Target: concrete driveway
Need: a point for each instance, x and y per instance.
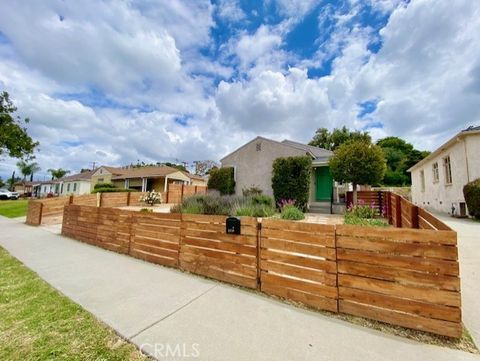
(468, 232)
(169, 313)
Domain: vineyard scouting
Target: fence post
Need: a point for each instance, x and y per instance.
(168, 191)
(259, 240)
(99, 199)
(128, 198)
(380, 201)
(181, 194)
(398, 211)
(414, 215)
(40, 214)
(70, 200)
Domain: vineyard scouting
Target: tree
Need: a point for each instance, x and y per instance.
(331, 141)
(2, 183)
(400, 156)
(14, 139)
(222, 179)
(28, 169)
(202, 167)
(58, 173)
(358, 162)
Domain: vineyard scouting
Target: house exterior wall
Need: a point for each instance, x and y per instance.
(439, 195)
(82, 187)
(198, 182)
(253, 166)
(100, 176)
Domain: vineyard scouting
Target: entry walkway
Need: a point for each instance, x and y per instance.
(161, 309)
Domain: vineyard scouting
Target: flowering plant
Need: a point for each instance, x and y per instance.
(151, 198)
(285, 202)
(363, 210)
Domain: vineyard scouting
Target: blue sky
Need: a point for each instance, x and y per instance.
(114, 82)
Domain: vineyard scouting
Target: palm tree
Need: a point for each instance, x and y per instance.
(27, 169)
(58, 173)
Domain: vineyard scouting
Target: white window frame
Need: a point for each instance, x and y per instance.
(422, 180)
(435, 172)
(447, 167)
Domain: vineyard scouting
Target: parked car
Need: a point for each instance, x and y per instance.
(6, 194)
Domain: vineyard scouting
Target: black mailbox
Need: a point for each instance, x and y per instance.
(233, 225)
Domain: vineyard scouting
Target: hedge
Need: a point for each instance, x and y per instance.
(471, 192)
(222, 179)
(104, 185)
(291, 180)
(112, 190)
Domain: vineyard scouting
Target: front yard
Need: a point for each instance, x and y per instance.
(13, 209)
(39, 323)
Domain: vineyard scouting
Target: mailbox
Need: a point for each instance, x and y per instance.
(233, 225)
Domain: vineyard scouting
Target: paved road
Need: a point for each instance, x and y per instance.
(468, 233)
(170, 312)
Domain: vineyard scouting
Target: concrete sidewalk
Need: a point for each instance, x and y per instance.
(468, 233)
(174, 313)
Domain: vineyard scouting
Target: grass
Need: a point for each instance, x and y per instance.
(12, 209)
(39, 323)
(370, 222)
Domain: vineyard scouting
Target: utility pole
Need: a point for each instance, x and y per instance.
(93, 165)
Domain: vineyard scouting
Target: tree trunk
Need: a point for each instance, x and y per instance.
(354, 200)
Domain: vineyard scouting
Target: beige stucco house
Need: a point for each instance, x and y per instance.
(76, 184)
(252, 164)
(438, 180)
(144, 178)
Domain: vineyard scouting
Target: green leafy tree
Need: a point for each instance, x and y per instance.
(58, 173)
(400, 156)
(358, 162)
(27, 169)
(14, 139)
(202, 167)
(331, 141)
(222, 179)
(291, 180)
(2, 183)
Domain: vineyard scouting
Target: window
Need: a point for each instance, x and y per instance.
(74, 187)
(436, 177)
(259, 147)
(422, 180)
(448, 170)
(100, 180)
(68, 187)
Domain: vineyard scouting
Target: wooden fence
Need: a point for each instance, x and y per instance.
(177, 192)
(406, 277)
(50, 210)
(400, 212)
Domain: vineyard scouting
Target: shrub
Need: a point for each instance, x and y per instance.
(222, 179)
(255, 210)
(151, 198)
(146, 210)
(363, 211)
(291, 212)
(252, 191)
(291, 179)
(104, 185)
(353, 219)
(263, 199)
(177, 208)
(471, 192)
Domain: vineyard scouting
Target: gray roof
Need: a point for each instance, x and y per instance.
(471, 129)
(317, 153)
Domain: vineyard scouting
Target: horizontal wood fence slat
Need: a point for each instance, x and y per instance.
(299, 263)
(403, 276)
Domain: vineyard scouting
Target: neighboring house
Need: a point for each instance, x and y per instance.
(438, 180)
(196, 180)
(43, 189)
(252, 164)
(144, 178)
(25, 188)
(76, 184)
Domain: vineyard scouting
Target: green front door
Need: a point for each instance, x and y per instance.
(324, 184)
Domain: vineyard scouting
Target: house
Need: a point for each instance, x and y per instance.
(46, 188)
(252, 164)
(25, 188)
(438, 180)
(76, 184)
(144, 178)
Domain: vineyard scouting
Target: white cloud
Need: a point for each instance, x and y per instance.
(230, 10)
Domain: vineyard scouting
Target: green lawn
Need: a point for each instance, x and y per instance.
(12, 209)
(39, 323)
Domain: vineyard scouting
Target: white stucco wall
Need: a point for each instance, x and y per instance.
(83, 187)
(254, 167)
(440, 196)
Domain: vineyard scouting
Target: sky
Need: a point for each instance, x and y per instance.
(114, 82)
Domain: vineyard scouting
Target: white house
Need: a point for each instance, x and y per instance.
(438, 180)
(76, 184)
